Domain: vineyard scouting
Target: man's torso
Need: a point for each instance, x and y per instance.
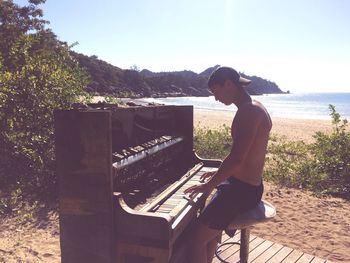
(252, 169)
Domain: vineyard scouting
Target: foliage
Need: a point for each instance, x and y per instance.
(105, 78)
(290, 163)
(261, 86)
(212, 143)
(332, 154)
(322, 166)
(112, 80)
(37, 75)
(15, 203)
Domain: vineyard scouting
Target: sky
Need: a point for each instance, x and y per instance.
(301, 45)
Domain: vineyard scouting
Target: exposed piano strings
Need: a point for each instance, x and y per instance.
(142, 172)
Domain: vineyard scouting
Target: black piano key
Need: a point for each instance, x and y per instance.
(146, 145)
(117, 157)
(139, 148)
(132, 150)
(126, 153)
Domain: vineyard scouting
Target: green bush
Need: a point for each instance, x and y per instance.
(214, 144)
(322, 166)
(332, 154)
(37, 75)
(291, 163)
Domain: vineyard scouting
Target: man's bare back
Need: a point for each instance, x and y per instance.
(252, 168)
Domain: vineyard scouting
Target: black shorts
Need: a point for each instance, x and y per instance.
(232, 198)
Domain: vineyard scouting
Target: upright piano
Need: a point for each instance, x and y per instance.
(122, 173)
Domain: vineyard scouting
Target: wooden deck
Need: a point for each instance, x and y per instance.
(261, 251)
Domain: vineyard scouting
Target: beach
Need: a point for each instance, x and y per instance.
(290, 129)
(315, 225)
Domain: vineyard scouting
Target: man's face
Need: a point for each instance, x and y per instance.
(224, 93)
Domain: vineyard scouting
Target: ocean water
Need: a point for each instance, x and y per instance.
(295, 106)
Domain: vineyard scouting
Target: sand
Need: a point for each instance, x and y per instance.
(291, 129)
(316, 225)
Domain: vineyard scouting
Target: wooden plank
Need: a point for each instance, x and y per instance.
(263, 251)
(252, 245)
(293, 257)
(225, 236)
(280, 255)
(318, 260)
(269, 253)
(230, 249)
(235, 238)
(306, 258)
(261, 248)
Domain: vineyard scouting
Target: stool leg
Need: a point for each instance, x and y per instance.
(244, 248)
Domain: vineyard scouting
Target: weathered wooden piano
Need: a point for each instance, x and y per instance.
(122, 173)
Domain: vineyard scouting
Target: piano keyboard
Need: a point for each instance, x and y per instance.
(175, 203)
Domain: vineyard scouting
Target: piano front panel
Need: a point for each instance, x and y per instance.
(84, 165)
(142, 156)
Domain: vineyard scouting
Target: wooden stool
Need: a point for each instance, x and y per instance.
(263, 212)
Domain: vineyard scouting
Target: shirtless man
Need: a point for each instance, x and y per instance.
(239, 178)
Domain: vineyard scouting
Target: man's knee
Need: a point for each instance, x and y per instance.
(203, 234)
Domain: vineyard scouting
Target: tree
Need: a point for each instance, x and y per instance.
(37, 75)
(135, 68)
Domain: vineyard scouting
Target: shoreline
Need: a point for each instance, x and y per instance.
(289, 117)
(290, 129)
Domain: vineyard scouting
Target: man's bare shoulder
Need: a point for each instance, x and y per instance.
(255, 112)
(252, 109)
(263, 113)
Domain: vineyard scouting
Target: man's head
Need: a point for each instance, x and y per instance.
(220, 75)
(225, 83)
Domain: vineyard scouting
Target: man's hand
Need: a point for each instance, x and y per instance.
(206, 176)
(204, 188)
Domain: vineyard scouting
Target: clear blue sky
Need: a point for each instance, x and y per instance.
(302, 45)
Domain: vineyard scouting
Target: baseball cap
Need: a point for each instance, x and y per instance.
(221, 74)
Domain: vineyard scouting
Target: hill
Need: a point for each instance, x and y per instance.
(107, 79)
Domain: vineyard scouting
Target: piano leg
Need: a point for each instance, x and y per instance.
(133, 253)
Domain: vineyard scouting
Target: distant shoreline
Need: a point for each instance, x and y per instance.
(310, 106)
(291, 129)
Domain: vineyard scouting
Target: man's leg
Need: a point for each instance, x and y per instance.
(204, 243)
(211, 246)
